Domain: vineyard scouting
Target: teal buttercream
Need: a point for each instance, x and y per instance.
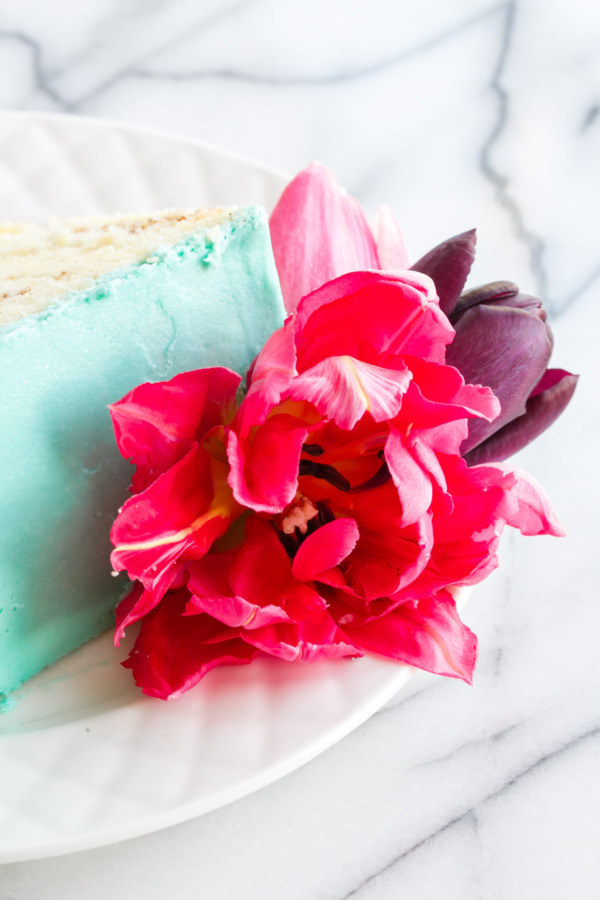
(212, 299)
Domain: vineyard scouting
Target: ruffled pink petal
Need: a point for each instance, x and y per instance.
(382, 565)
(478, 494)
(305, 641)
(179, 515)
(235, 612)
(156, 424)
(318, 232)
(173, 652)
(438, 394)
(261, 569)
(344, 389)
(264, 468)
(252, 586)
(210, 584)
(262, 573)
(269, 378)
(139, 602)
(391, 249)
(386, 556)
(411, 479)
(325, 548)
(367, 314)
(134, 599)
(466, 538)
(426, 633)
(528, 507)
(464, 562)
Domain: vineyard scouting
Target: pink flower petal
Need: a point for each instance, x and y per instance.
(212, 592)
(325, 548)
(318, 232)
(426, 633)
(269, 378)
(466, 537)
(438, 394)
(531, 511)
(173, 652)
(385, 563)
(412, 481)
(264, 468)
(369, 314)
(306, 641)
(344, 389)
(251, 586)
(391, 249)
(156, 424)
(387, 556)
(262, 573)
(139, 602)
(235, 612)
(136, 599)
(179, 515)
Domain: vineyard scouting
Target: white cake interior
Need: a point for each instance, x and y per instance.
(39, 263)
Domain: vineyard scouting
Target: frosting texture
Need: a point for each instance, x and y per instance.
(211, 299)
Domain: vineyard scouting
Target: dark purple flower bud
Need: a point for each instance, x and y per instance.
(503, 341)
(506, 349)
(499, 293)
(448, 265)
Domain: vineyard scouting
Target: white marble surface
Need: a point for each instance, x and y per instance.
(488, 113)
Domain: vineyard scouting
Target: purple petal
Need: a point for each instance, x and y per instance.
(522, 301)
(506, 349)
(484, 294)
(448, 265)
(550, 378)
(542, 409)
(498, 293)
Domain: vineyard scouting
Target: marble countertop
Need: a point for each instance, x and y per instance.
(488, 114)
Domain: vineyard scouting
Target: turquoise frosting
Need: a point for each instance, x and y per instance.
(212, 299)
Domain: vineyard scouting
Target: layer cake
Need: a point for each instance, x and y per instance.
(90, 308)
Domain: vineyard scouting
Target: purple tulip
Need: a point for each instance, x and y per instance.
(502, 341)
(448, 265)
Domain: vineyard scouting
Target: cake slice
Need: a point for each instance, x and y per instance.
(89, 308)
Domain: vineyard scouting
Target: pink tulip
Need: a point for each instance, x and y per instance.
(331, 513)
(319, 232)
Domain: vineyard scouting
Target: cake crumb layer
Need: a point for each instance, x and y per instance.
(42, 263)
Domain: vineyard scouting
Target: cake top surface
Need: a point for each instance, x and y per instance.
(40, 263)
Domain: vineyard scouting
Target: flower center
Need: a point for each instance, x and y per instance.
(299, 519)
(298, 515)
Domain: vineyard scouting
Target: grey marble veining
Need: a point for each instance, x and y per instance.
(483, 114)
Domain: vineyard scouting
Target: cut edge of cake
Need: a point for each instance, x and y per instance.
(41, 263)
(201, 240)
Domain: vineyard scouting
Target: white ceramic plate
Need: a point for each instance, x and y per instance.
(85, 759)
